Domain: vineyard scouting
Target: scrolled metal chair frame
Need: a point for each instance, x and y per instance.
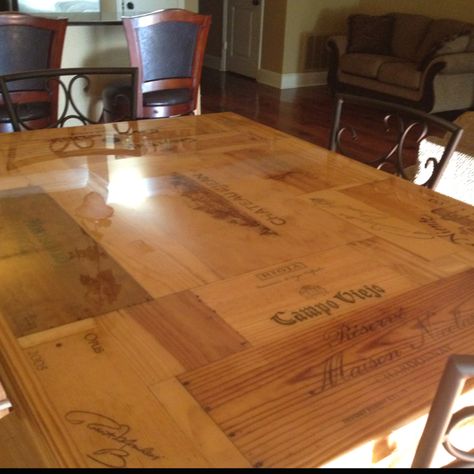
(408, 121)
(441, 421)
(56, 78)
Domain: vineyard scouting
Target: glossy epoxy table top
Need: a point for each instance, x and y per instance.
(207, 291)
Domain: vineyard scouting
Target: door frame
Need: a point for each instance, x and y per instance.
(225, 30)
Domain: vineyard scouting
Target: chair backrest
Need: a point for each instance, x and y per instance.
(74, 83)
(442, 422)
(28, 43)
(403, 128)
(168, 48)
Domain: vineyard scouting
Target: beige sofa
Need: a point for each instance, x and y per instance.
(418, 61)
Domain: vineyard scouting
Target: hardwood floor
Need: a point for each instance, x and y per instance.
(304, 112)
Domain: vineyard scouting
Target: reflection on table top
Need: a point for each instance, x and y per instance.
(206, 291)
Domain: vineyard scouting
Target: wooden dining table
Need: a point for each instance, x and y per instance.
(206, 291)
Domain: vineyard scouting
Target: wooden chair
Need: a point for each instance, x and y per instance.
(30, 43)
(20, 89)
(167, 47)
(442, 422)
(405, 129)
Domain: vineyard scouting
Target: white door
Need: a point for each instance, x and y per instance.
(136, 7)
(243, 36)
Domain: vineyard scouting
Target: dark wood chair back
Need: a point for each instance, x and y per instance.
(22, 103)
(167, 47)
(406, 148)
(30, 43)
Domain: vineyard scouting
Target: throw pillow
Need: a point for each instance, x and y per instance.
(457, 43)
(370, 34)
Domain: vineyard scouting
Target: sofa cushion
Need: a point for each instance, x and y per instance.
(401, 73)
(452, 45)
(441, 31)
(470, 46)
(370, 34)
(457, 44)
(382, 87)
(364, 65)
(408, 33)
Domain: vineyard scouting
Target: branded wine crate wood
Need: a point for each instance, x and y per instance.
(208, 292)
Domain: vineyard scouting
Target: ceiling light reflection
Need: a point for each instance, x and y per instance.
(128, 187)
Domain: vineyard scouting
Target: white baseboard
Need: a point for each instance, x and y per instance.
(275, 79)
(269, 78)
(293, 80)
(213, 62)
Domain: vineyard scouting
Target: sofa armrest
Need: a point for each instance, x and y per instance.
(338, 42)
(458, 63)
(336, 46)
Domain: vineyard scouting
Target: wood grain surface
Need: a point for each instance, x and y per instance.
(206, 291)
(54, 273)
